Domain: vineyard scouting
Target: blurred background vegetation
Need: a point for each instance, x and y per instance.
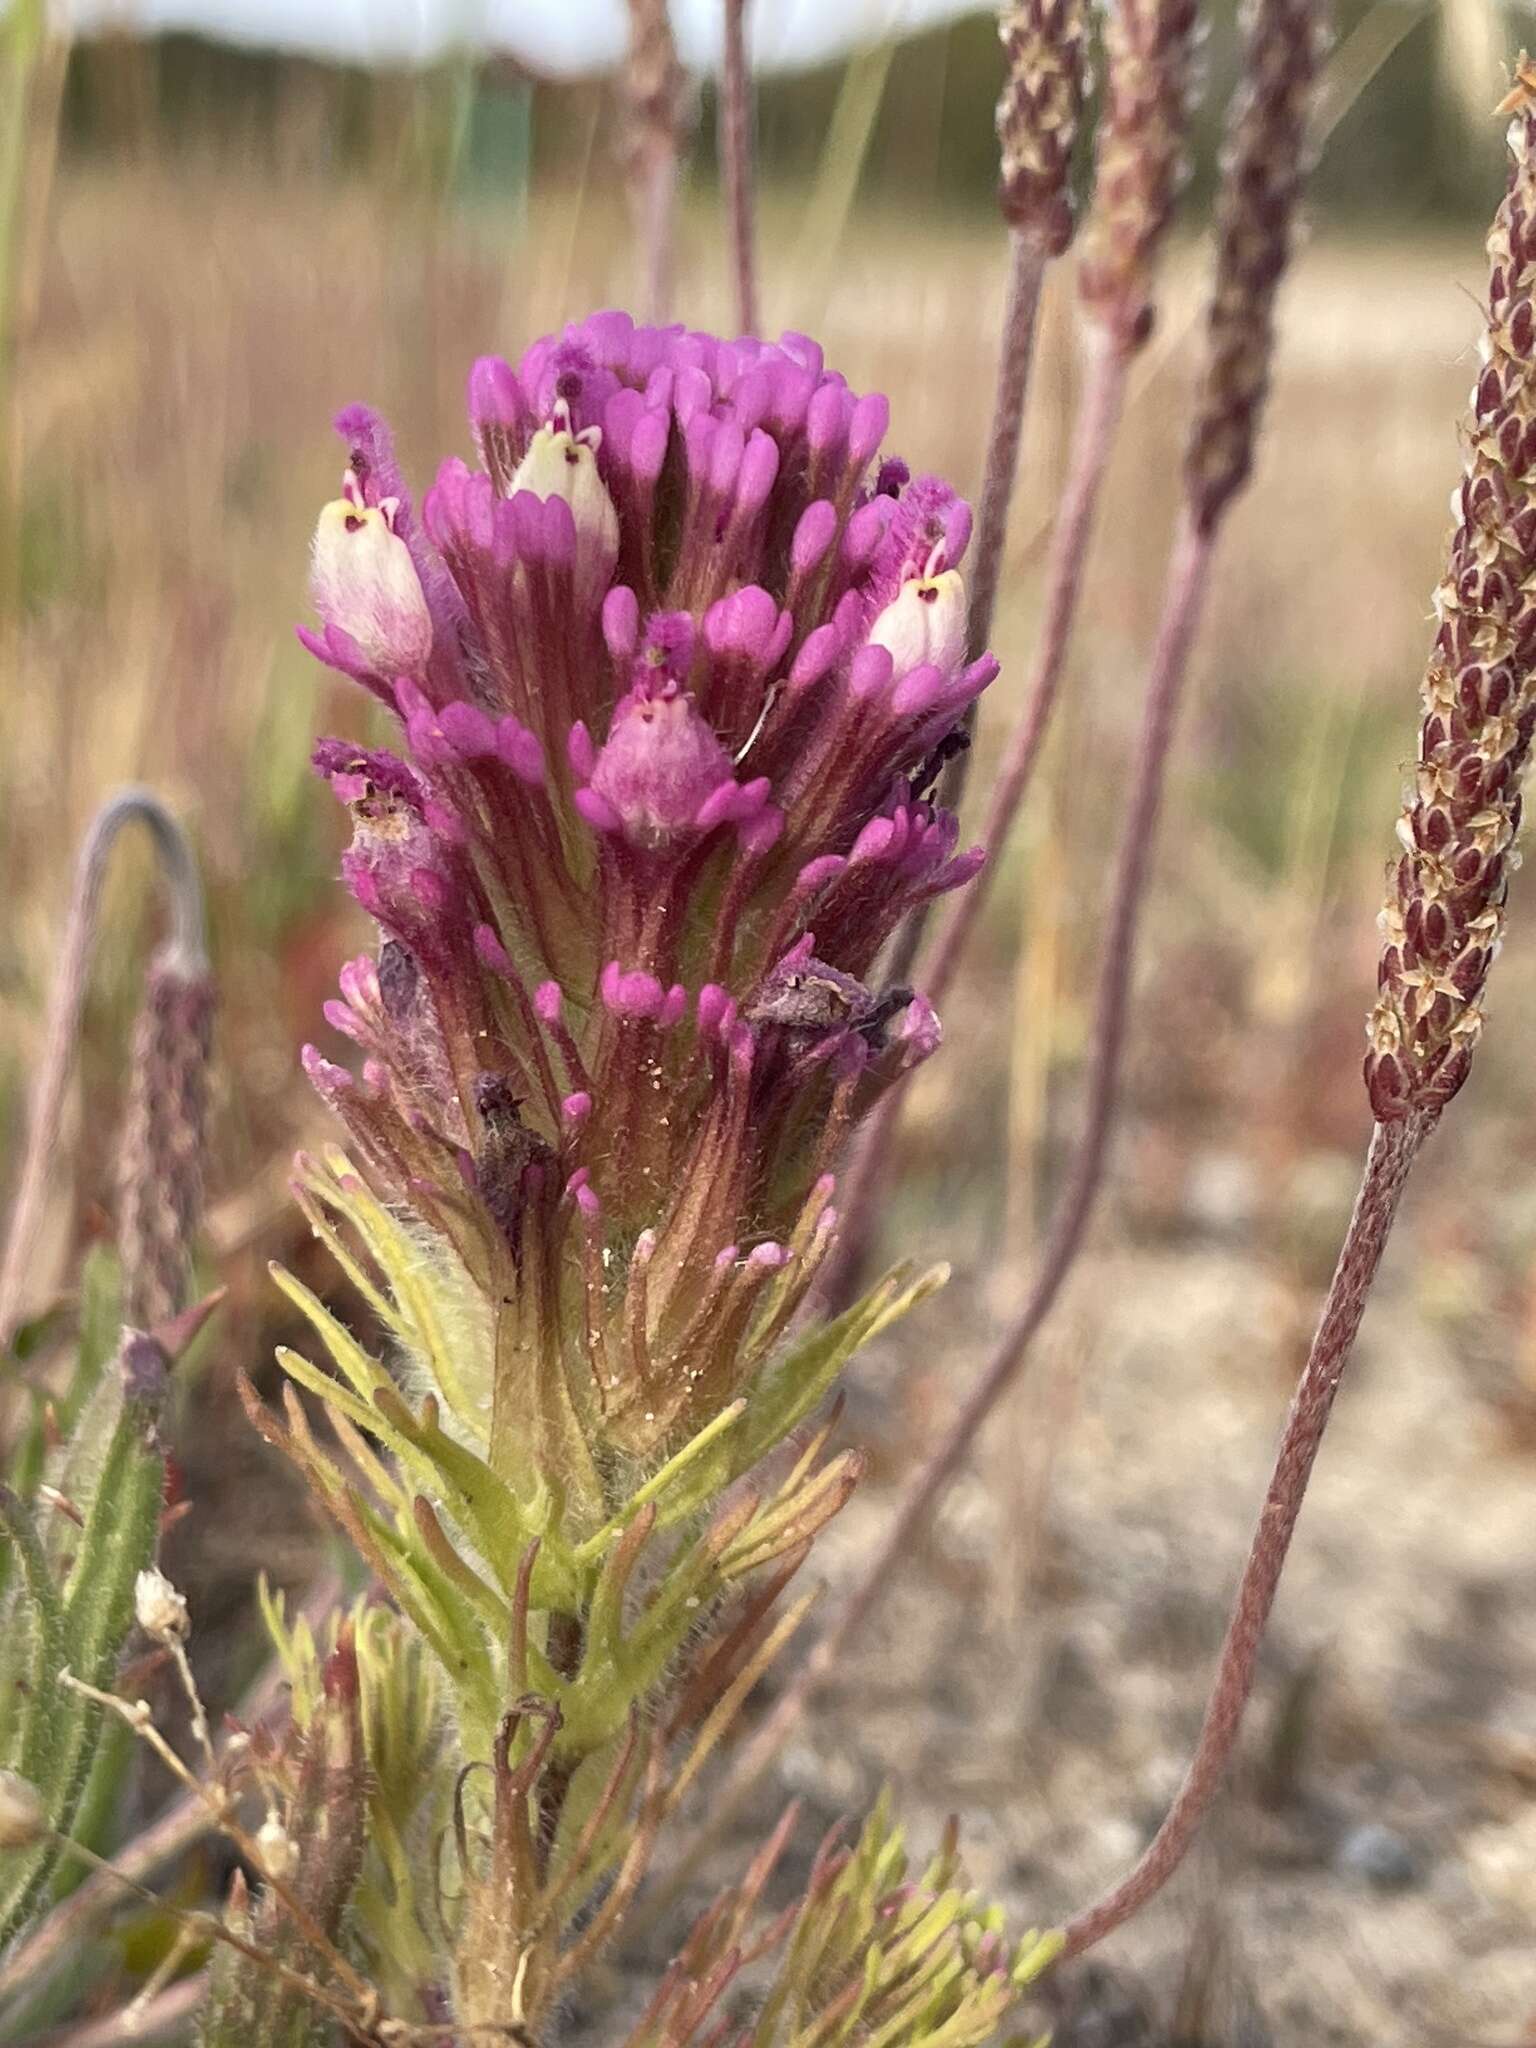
(205, 251)
(1419, 149)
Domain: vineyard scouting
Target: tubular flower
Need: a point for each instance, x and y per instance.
(364, 583)
(674, 672)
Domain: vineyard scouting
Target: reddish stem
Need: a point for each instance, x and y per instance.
(1394, 1147)
(1188, 580)
(1092, 444)
(1026, 272)
(1028, 257)
(1093, 441)
(736, 161)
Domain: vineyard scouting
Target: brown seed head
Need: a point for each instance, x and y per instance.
(1263, 167)
(161, 1164)
(1046, 42)
(1150, 49)
(1444, 913)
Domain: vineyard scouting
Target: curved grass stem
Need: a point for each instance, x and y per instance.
(187, 951)
(1027, 260)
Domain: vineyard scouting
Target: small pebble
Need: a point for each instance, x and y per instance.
(1379, 1857)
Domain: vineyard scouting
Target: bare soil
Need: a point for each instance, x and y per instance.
(1040, 1670)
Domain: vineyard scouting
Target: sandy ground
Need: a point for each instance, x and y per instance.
(1371, 1874)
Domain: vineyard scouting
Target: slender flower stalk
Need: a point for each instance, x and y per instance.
(1150, 51)
(1394, 1147)
(1045, 87)
(178, 986)
(185, 1822)
(1038, 113)
(1093, 442)
(736, 154)
(34, 52)
(654, 88)
(1028, 259)
(1187, 586)
(1267, 137)
(1046, 50)
(1440, 929)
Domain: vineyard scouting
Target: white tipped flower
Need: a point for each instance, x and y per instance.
(23, 1817)
(363, 581)
(924, 623)
(560, 464)
(159, 1609)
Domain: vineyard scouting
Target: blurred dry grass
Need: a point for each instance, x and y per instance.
(193, 329)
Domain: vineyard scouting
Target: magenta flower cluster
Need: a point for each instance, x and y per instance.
(674, 670)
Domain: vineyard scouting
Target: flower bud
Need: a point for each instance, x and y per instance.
(660, 764)
(158, 1608)
(398, 867)
(363, 581)
(497, 411)
(23, 1817)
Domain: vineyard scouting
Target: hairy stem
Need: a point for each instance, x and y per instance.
(53, 1940)
(1188, 581)
(736, 162)
(1026, 274)
(1393, 1149)
(1028, 257)
(186, 951)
